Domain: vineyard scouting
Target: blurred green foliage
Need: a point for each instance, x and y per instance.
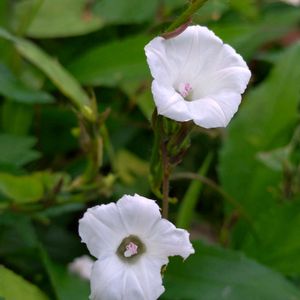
(74, 84)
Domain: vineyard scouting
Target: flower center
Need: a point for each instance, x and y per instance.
(131, 247)
(184, 89)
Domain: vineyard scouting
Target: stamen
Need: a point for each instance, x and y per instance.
(131, 249)
(184, 89)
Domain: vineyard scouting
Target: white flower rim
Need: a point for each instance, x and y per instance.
(131, 242)
(196, 77)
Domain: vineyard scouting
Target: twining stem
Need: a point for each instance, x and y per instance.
(166, 179)
(186, 15)
(216, 187)
(239, 210)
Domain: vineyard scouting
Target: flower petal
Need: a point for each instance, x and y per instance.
(207, 113)
(170, 103)
(113, 279)
(228, 102)
(147, 272)
(107, 279)
(230, 79)
(218, 102)
(102, 229)
(167, 240)
(138, 214)
(82, 266)
(192, 51)
(160, 66)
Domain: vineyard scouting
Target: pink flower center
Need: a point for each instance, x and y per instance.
(184, 89)
(131, 249)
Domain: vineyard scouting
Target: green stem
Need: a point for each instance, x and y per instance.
(92, 129)
(95, 154)
(186, 15)
(179, 138)
(238, 207)
(166, 180)
(189, 201)
(216, 187)
(155, 161)
(108, 146)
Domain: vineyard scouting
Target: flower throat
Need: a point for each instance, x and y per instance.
(130, 248)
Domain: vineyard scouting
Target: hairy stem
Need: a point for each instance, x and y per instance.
(166, 179)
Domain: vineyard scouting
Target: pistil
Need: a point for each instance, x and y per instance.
(184, 89)
(131, 249)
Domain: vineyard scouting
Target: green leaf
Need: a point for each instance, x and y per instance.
(247, 38)
(211, 10)
(55, 125)
(248, 8)
(18, 243)
(22, 189)
(279, 244)
(50, 180)
(63, 80)
(49, 21)
(13, 88)
(189, 201)
(275, 159)
(14, 287)
(16, 117)
(17, 151)
(173, 4)
(130, 167)
(3, 12)
(17, 234)
(141, 95)
(33, 187)
(113, 63)
(145, 103)
(85, 16)
(123, 12)
(213, 273)
(66, 285)
(133, 173)
(264, 122)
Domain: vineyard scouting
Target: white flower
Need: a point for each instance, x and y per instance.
(131, 242)
(82, 266)
(196, 77)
